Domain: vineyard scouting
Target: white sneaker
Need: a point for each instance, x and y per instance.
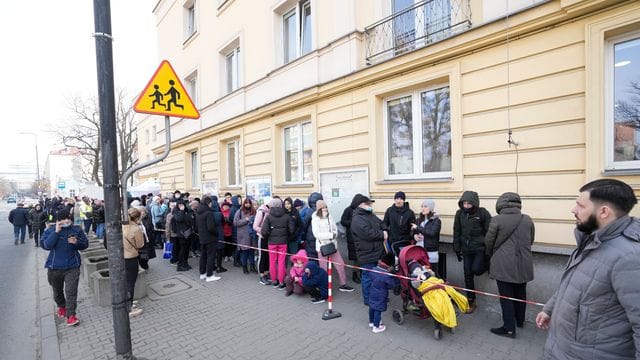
(203, 276)
(213, 278)
(379, 329)
(371, 325)
(135, 311)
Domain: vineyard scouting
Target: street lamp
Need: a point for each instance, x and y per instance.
(35, 137)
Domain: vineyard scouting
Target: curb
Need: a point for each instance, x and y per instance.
(49, 341)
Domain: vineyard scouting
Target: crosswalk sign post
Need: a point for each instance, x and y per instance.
(163, 95)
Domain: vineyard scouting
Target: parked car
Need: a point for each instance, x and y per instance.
(11, 200)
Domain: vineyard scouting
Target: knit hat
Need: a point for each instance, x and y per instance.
(430, 204)
(400, 195)
(321, 204)
(274, 203)
(297, 203)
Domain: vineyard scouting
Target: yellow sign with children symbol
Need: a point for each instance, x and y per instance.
(165, 95)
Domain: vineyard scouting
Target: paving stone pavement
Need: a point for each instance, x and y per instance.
(237, 318)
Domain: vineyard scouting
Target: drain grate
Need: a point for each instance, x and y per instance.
(170, 286)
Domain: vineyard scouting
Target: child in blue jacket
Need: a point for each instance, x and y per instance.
(381, 283)
(315, 282)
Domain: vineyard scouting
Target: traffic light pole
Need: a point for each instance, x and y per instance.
(108, 140)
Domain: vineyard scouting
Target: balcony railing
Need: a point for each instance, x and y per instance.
(417, 26)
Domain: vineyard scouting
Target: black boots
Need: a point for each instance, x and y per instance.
(253, 269)
(219, 268)
(245, 269)
(357, 276)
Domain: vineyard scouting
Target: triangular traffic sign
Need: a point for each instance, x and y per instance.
(165, 95)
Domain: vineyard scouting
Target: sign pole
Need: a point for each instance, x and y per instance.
(109, 143)
(127, 173)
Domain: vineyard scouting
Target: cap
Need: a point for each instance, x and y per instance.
(365, 200)
(400, 195)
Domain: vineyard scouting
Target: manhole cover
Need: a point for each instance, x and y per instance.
(170, 286)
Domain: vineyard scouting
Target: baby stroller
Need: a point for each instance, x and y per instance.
(409, 257)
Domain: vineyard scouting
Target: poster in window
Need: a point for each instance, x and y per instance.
(210, 188)
(259, 188)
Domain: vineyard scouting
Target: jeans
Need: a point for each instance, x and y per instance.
(87, 226)
(338, 264)
(207, 259)
(473, 265)
(131, 272)
(512, 311)
(65, 282)
(19, 231)
(366, 282)
(246, 257)
(375, 317)
(100, 230)
(277, 266)
(37, 232)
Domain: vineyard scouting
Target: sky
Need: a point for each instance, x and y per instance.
(49, 57)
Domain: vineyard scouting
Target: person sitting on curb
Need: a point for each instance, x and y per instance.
(315, 282)
(293, 281)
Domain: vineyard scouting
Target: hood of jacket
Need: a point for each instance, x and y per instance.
(471, 197)
(277, 211)
(300, 255)
(235, 202)
(313, 198)
(264, 208)
(315, 269)
(508, 200)
(214, 204)
(202, 208)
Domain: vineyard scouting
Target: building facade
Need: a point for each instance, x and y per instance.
(429, 97)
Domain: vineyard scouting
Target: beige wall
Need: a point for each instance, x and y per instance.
(536, 84)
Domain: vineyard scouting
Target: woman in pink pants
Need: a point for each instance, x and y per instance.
(325, 231)
(276, 229)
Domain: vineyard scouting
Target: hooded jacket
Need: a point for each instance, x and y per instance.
(242, 222)
(316, 278)
(261, 216)
(38, 218)
(180, 221)
(366, 229)
(305, 215)
(345, 220)
(470, 227)
(277, 227)
(205, 221)
(595, 313)
(324, 230)
(62, 254)
(431, 232)
(295, 217)
(298, 271)
(398, 221)
(508, 241)
(218, 220)
(380, 286)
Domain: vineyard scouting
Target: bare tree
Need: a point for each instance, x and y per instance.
(81, 131)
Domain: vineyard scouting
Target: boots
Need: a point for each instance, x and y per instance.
(357, 276)
(253, 269)
(219, 268)
(245, 269)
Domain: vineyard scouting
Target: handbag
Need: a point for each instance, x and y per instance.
(186, 233)
(328, 249)
(167, 250)
(143, 254)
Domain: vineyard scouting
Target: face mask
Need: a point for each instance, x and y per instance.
(178, 196)
(467, 210)
(65, 225)
(369, 209)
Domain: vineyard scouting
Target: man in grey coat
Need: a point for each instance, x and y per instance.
(508, 242)
(595, 313)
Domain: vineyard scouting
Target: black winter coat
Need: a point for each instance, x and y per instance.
(398, 221)
(19, 216)
(180, 222)
(278, 227)
(297, 223)
(98, 214)
(345, 220)
(366, 229)
(206, 223)
(431, 233)
(38, 219)
(470, 228)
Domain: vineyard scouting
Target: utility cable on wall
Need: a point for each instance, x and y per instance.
(510, 140)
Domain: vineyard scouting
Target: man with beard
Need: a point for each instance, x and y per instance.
(594, 314)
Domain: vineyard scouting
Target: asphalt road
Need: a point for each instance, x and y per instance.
(18, 304)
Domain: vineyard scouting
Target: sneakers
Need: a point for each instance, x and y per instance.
(275, 284)
(173, 263)
(135, 311)
(372, 326)
(346, 288)
(282, 286)
(379, 329)
(62, 312)
(501, 331)
(265, 280)
(212, 278)
(317, 300)
(72, 321)
(203, 276)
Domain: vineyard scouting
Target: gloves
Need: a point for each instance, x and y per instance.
(459, 256)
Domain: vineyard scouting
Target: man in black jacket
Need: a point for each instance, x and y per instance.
(98, 218)
(369, 234)
(345, 220)
(19, 218)
(208, 235)
(470, 226)
(398, 219)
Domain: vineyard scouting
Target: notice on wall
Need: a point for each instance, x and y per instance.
(210, 188)
(259, 188)
(338, 188)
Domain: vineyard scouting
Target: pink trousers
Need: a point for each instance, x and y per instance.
(277, 262)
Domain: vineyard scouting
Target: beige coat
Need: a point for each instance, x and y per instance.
(133, 239)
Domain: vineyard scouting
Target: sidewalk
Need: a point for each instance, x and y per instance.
(237, 318)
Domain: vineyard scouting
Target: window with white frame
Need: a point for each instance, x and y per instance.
(195, 170)
(189, 18)
(192, 87)
(233, 164)
(623, 102)
(298, 160)
(417, 128)
(232, 69)
(147, 137)
(154, 132)
(297, 31)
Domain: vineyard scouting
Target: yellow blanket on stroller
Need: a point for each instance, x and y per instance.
(438, 302)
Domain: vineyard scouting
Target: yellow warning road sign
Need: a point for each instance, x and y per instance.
(165, 95)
